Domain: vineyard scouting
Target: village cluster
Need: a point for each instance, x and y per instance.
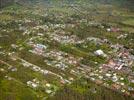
(60, 66)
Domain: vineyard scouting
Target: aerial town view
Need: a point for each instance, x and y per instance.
(66, 49)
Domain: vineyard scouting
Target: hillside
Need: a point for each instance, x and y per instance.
(67, 50)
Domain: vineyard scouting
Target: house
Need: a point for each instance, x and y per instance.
(115, 78)
(130, 88)
(108, 75)
(48, 91)
(116, 86)
(132, 81)
(32, 84)
(40, 34)
(14, 69)
(40, 46)
(48, 85)
(111, 63)
(35, 68)
(2, 70)
(113, 29)
(14, 46)
(100, 53)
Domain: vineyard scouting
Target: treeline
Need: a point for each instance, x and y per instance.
(122, 3)
(5, 2)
